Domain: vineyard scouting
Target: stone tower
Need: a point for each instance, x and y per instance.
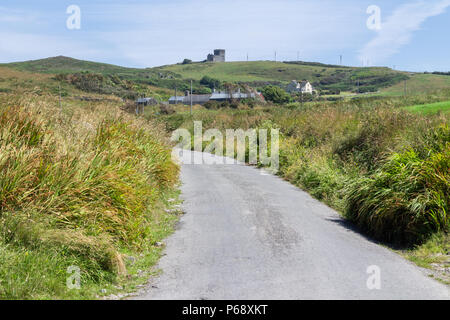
(218, 56)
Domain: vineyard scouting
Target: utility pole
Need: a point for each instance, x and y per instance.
(301, 92)
(406, 92)
(60, 102)
(136, 109)
(340, 60)
(247, 56)
(191, 98)
(275, 56)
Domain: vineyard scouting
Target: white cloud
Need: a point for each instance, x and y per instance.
(398, 29)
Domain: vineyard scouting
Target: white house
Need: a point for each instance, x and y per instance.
(303, 87)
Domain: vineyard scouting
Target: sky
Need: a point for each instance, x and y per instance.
(408, 35)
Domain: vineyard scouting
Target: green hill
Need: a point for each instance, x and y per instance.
(61, 64)
(256, 73)
(326, 76)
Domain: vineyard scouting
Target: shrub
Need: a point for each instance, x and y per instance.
(166, 109)
(201, 90)
(210, 82)
(211, 105)
(276, 94)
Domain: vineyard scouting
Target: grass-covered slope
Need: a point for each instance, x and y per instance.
(83, 187)
(322, 76)
(419, 83)
(63, 64)
(79, 84)
(256, 73)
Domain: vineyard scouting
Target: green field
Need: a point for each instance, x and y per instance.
(430, 108)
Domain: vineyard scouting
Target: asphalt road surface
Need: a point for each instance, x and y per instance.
(250, 235)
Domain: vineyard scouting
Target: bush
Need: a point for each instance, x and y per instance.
(201, 90)
(210, 82)
(276, 94)
(212, 105)
(166, 109)
(98, 83)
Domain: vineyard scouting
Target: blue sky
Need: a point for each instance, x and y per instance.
(414, 34)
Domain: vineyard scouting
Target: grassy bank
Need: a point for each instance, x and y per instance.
(84, 187)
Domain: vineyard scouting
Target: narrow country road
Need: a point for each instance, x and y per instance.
(249, 235)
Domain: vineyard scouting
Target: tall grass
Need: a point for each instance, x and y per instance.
(407, 198)
(76, 188)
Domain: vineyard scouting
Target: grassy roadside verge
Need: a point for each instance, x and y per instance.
(84, 187)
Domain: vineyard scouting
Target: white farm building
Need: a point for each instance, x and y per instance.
(303, 87)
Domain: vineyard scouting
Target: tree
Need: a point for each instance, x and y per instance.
(210, 82)
(201, 90)
(276, 95)
(187, 61)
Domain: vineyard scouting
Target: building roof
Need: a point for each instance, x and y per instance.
(144, 100)
(225, 95)
(178, 98)
(203, 98)
(196, 98)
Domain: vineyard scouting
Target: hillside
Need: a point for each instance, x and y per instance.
(62, 64)
(261, 72)
(420, 83)
(255, 73)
